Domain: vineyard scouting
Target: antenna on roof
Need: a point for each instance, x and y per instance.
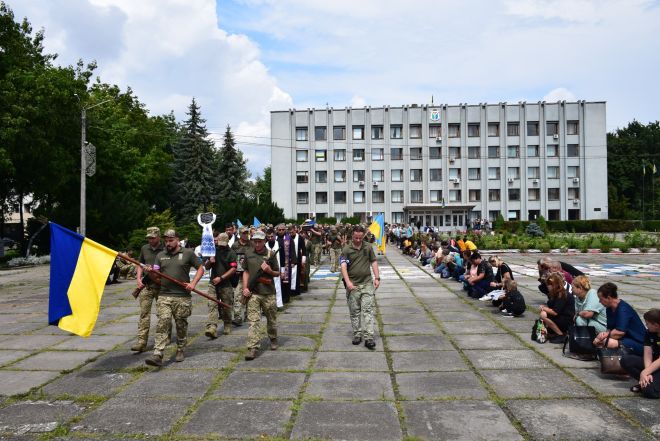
(431, 99)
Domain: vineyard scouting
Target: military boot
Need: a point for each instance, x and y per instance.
(180, 356)
(139, 346)
(251, 354)
(211, 333)
(274, 344)
(154, 360)
(227, 329)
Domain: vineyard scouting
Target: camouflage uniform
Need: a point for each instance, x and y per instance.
(147, 295)
(335, 249)
(315, 255)
(262, 298)
(225, 259)
(361, 300)
(239, 307)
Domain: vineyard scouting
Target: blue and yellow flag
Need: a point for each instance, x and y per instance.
(79, 268)
(377, 228)
(256, 222)
(238, 223)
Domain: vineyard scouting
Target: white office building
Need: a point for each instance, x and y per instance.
(442, 165)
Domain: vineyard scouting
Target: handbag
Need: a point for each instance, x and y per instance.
(539, 332)
(580, 340)
(610, 359)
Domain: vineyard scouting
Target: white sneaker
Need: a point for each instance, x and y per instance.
(504, 311)
(485, 298)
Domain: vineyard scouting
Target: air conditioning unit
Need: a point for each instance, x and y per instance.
(510, 180)
(375, 184)
(455, 180)
(555, 136)
(361, 183)
(452, 159)
(576, 180)
(535, 181)
(438, 139)
(576, 202)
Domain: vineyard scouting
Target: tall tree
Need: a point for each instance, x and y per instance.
(261, 188)
(231, 174)
(193, 167)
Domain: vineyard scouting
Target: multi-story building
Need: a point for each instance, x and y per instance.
(442, 165)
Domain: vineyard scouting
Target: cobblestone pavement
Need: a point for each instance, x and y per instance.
(445, 367)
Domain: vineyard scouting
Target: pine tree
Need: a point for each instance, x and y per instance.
(230, 171)
(193, 167)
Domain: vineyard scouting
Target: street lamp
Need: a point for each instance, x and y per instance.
(83, 165)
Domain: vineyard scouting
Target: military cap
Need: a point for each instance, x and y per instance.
(223, 239)
(244, 230)
(171, 233)
(259, 235)
(153, 232)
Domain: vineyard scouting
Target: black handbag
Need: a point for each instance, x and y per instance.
(610, 359)
(580, 340)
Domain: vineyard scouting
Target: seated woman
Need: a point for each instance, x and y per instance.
(646, 369)
(479, 284)
(588, 310)
(497, 285)
(557, 315)
(624, 325)
(513, 302)
(425, 254)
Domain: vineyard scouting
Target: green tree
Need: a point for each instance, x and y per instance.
(231, 174)
(261, 188)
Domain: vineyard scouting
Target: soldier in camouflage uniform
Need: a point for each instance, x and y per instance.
(174, 301)
(223, 267)
(240, 247)
(149, 288)
(357, 261)
(334, 243)
(316, 237)
(260, 267)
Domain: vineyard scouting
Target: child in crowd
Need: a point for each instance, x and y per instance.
(513, 302)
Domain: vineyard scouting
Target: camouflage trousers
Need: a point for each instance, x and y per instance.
(177, 308)
(334, 259)
(361, 303)
(225, 295)
(256, 304)
(239, 308)
(146, 299)
(316, 254)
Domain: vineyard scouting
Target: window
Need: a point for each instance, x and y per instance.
(340, 155)
(435, 174)
(321, 177)
(513, 129)
(415, 131)
(552, 150)
(416, 153)
(358, 175)
(340, 175)
(552, 128)
(474, 174)
(494, 195)
(454, 153)
(321, 155)
(435, 152)
(454, 130)
(377, 175)
(397, 217)
(435, 130)
(358, 132)
(397, 175)
(533, 128)
(376, 132)
(513, 215)
(378, 197)
(339, 133)
(553, 214)
(533, 172)
(396, 132)
(513, 151)
(320, 133)
(553, 172)
(533, 194)
(514, 194)
(574, 193)
(302, 155)
(301, 133)
(396, 154)
(553, 194)
(572, 171)
(474, 195)
(358, 154)
(397, 196)
(377, 154)
(436, 195)
(473, 130)
(340, 197)
(513, 172)
(493, 151)
(573, 150)
(493, 173)
(454, 195)
(415, 175)
(416, 196)
(532, 151)
(302, 177)
(493, 129)
(358, 197)
(492, 215)
(474, 152)
(321, 197)
(572, 127)
(454, 173)
(302, 197)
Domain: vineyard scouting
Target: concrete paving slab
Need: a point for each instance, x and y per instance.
(506, 359)
(32, 342)
(301, 318)
(434, 385)
(414, 310)
(351, 361)
(335, 342)
(573, 419)
(478, 341)
(458, 420)
(411, 328)
(20, 382)
(118, 359)
(350, 386)
(278, 360)
(171, 383)
(225, 342)
(37, 416)
(457, 316)
(298, 329)
(347, 421)
(418, 343)
(86, 383)
(295, 342)
(536, 383)
(611, 385)
(246, 384)
(204, 359)
(405, 319)
(7, 357)
(473, 327)
(643, 410)
(239, 419)
(93, 343)
(426, 361)
(55, 360)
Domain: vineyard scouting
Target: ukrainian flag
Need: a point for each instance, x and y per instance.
(256, 222)
(79, 268)
(377, 228)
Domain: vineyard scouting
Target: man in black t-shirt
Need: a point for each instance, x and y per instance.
(223, 267)
(646, 369)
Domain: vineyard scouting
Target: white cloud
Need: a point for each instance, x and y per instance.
(560, 94)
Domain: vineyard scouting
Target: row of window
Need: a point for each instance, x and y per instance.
(473, 152)
(417, 196)
(435, 174)
(435, 130)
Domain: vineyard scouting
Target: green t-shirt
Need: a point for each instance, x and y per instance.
(591, 303)
(240, 251)
(225, 259)
(252, 264)
(148, 257)
(176, 265)
(359, 262)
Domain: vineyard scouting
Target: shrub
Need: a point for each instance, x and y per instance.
(499, 222)
(542, 224)
(534, 230)
(544, 246)
(32, 260)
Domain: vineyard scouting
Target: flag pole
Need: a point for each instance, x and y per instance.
(173, 280)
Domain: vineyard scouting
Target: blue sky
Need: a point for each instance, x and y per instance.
(243, 58)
